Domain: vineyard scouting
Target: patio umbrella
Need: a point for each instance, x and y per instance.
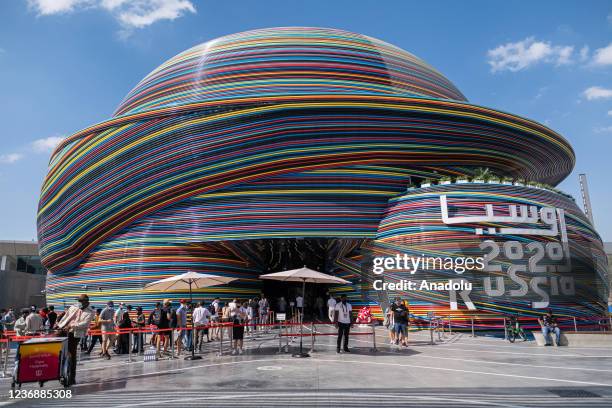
(189, 280)
(303, 275)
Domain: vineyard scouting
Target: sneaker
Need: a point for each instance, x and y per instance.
(347, 350)
(233, 353)
(240, 351)
(338, 351)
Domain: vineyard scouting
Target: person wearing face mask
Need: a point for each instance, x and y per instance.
(75, 324)
(343, 321)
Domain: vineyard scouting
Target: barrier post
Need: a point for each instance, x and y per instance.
(374, 349)
(312, 336)
(7, 350)
(220, 342)
(575, 325)
(172, 343)
(609, 319)
(431, 331)
(450, 327)
(230, 334)
(79, 352)
(280, 338)
(505, 330)
(472, 319)
(129, 346)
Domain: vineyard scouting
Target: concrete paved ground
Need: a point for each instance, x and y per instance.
(459, 371)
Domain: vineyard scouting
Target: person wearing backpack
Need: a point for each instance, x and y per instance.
(125, 323)
(153, 320)
(164, 326)
(138, 340)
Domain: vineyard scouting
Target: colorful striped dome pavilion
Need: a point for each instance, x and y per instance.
(273, 148)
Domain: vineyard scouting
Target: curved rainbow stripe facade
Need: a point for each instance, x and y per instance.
(284, 133)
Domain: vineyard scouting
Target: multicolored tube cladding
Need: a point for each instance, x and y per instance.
(237, 149)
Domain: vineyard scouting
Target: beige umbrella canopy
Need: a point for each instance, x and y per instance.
(189, 280)
(303, 275)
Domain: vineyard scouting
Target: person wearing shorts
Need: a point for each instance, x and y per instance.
(400, 315)
(163, 326)
(107, 328)
(390, 323)
(238, 330)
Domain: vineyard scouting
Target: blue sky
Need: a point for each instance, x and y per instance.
(66, 64)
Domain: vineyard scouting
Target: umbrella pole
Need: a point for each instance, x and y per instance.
(192, 356)
(301, 354)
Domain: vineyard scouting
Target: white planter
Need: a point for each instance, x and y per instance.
(507, 183)
(462, 181)
(424, 185)
(493, 182)
(446, 182)
(478, 181)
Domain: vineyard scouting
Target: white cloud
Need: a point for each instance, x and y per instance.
(10, 158)
(603, 56)
(597, 92)
(523, 54)
(603, 129)
(130, 13)
(142, 13)
(584, 53)
(47, 144)
(48, 7)
(610, 113)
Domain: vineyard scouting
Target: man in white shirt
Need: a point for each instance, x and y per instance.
(75, 323)
(34, 323)
(343, 320)
(201, 316)
(331, 307)
(119, 314)
(20, 324)
(233, 305)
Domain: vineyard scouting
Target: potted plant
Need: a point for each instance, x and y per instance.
(445, 180)
(482, 175)
(426, 183)
(462, 179)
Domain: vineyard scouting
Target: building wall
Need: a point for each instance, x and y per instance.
(19, 288)
(608, 249)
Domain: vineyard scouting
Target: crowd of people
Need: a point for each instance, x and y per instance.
(192, 324)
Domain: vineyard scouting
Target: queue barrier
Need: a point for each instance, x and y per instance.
(433, 323)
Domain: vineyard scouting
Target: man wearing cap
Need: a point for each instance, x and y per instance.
(76, 323)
